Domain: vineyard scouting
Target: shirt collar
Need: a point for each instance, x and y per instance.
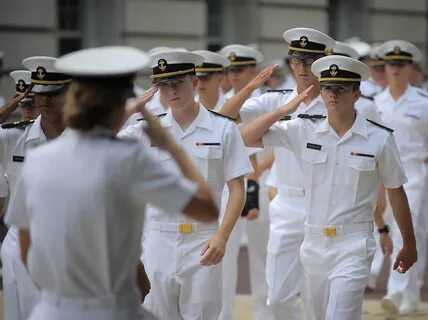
(359, 126)
(35, 131)
(202, 120)
(410, 94)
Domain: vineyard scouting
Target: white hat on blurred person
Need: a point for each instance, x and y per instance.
(213, 62)
(240, 55)
(45, 78)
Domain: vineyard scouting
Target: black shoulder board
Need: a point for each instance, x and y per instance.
(222, 115)
(156, 116)
(367, 97)
(280, 90)
(422, 93)
(310, 116)
(286, 118)
(381, 126)
(17, 124)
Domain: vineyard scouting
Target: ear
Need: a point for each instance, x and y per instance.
(194, 82)
(357, 95)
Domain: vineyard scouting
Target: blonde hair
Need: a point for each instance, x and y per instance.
(92, 104)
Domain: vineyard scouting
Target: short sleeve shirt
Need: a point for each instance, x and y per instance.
(341, 175)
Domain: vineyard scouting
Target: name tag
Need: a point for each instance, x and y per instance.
(313, 146)
(362, 155)
(202, 144)
(18, 159)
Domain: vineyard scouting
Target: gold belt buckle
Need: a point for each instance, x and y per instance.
(185, 227)
(330, 231)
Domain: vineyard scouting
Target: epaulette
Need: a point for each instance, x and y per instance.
(380, 126)
(156, 116)
(422, 92)
(286, 118)
(17, 124)
(223, 115)
(368, 97)
(279, 90)
(311, 116)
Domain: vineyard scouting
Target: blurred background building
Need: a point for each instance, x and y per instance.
(55, 27)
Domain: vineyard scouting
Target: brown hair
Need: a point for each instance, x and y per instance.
(92, 104)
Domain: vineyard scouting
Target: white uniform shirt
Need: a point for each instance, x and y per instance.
(290, 177)
(82, 196)
(341, 175)
(214, 145)
(367, 109)
(14, 144)
(408, 116)
(370, 88)
(4, 185)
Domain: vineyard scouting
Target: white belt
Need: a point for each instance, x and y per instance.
(288, 191)
(182, 227)
(332, 231)
(108, 302)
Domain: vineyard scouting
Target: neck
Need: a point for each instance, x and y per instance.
(342, 122)
(209, 99)
(185, 116)
(313, 94)
(397, 89)
(52, 129)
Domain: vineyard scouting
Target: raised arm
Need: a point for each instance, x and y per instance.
(233, 105)
(253, 132)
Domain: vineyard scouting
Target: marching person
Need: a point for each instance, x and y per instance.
(182, 257)
(343, 157)
(210, 75)
(287, 211)
(73, 237)
(48, 86)
(404, 108)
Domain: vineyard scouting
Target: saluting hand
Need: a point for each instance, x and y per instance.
(135, 104)
(292, 106)
(406, 258)
(213, 251)
(10, 105)
(154, 130)
(262, 77)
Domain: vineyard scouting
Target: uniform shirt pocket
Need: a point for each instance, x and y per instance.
(360, 176)
(315, 166)
(210, 163)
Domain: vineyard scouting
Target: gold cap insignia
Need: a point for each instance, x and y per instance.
(162, 64)
(397, 50)
(232, 56)
(333, 70)
(21, 85)
(303, 41)
(41, 72)
(329, 51)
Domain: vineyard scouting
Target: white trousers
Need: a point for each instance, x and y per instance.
(257, 235)
(72, 310)
(19, 292)
(336, 271)
(181, 288)
(409, 282)
(284, 271)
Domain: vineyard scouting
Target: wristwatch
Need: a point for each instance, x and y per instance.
(384, 229)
